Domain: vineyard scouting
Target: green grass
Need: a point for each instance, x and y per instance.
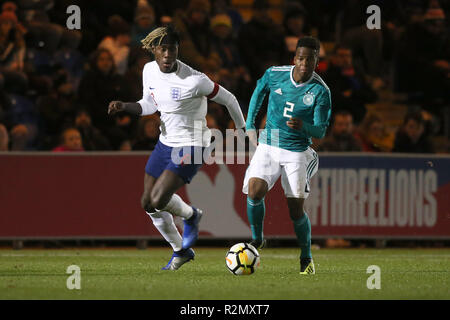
(136, 274)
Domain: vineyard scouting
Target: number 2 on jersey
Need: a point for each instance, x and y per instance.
(289, 108)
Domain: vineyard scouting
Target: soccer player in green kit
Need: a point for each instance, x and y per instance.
(299, 108)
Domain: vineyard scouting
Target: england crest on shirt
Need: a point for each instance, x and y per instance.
(175, 92)
(308, 98)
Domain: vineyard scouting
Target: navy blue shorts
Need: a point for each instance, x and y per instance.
(187, 160)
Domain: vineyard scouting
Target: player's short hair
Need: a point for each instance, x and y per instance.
(309, 42)
(161, 35)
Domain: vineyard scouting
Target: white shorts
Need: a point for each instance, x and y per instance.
(295, 168)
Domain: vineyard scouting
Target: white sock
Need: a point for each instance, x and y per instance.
(178, 207)
(163, 221)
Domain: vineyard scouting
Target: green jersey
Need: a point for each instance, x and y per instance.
(309, 101)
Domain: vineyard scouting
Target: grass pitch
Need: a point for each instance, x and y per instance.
(136, 274)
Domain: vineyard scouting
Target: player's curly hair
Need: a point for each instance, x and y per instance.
(167, 34)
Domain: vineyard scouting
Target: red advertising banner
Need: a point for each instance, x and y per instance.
(97, 195)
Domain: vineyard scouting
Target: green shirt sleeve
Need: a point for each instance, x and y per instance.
(322, 113)
(262, 88)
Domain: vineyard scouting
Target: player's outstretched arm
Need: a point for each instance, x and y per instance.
(131, 107)
(224, 97)
(261, 90)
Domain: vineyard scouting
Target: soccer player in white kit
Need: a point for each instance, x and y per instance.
(180, 94)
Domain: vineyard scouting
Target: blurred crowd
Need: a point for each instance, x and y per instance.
(56, 83)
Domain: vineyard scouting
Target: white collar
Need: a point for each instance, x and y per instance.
(166, 75)
(299, 84)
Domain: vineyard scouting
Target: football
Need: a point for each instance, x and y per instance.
(242, 259)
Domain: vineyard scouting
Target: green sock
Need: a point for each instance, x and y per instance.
(255, 214)
(302, 228)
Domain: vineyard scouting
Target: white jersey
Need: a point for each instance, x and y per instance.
(180, 97)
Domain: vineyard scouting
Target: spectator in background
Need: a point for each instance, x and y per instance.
(21, 119)
(366, 44)
(56, 108)
(57, 14)
(9, 6)
(224, 7)
(144, 23)
(341, 136)
(195, 33)
(21, 135)
(42, 32)
(92, 137)
(412, 136)
(349, 87)
(12, 53)
(126, 145)
(164, 10)
(126, 123)
(232, 75)
(371, 134)
(118, 135)
(425, 48)
(122, 132)
(261, 41)
(4, 138)
(148, 133)
(72, 61)
(94, 24)
(70, 141)
(118, 43)
(295, 27)
(99, 85)
(134, 73)
(294, 24)
(70, 58)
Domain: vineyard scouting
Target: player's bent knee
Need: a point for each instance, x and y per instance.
(149, 209)
(146, 205)
(256, 194)
(296, 210)
(296, 215)
(257, 189)
(159, 202)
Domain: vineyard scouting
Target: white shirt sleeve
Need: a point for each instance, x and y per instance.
(147, 102)
(226, 98)
(219, 94)
(204, 85)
